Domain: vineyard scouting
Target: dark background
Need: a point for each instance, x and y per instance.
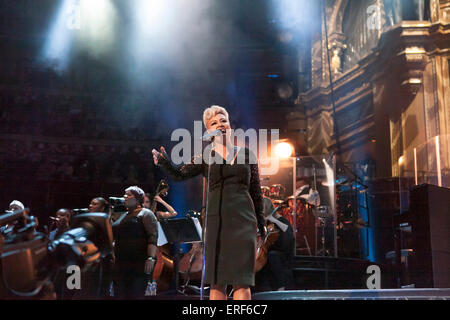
(86, 130)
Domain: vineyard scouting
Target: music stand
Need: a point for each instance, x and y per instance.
(180, 231)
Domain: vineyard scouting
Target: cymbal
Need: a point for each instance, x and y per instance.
(350, 186)
(340, 181)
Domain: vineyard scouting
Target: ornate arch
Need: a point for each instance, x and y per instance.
(337, 15)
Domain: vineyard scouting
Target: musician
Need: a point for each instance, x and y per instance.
(62, 223)
(287, 210)
(62, 219)
(135, 235)
(170, 213)
(96, 282)
(265, 190)
(13, 206)
(234, 211)
(99, 204)
(16, 205)
(277, 275)
(147, 203)
(307, 198)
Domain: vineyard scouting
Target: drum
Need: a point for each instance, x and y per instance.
(277, 203)
(277, 191)
(265, 191)
(322, 212)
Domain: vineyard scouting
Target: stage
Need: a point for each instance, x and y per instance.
(382, 294)
(330, 273)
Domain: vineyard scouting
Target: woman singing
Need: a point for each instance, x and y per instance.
(235, 209)
(98, 204)
(135, 236)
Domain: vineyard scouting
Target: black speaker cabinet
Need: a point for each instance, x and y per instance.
(430, 222)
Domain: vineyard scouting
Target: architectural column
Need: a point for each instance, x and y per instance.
(434, 11)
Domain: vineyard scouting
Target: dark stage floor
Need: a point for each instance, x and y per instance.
(383, 294)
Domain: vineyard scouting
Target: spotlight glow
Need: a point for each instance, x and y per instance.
(291, 13)
(284, 150)
(59, 40)
(151, 16)
(98, 23)
(152, 23)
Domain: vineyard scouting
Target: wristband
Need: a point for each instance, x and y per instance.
(151, 259)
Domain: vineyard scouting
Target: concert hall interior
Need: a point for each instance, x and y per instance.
(344, 103)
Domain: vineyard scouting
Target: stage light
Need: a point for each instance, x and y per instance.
(91, 23)
(285, 90)
(284, 150)
(59, 40)
(151, 30)
(152, 16)
(290, 15)
(98, 23)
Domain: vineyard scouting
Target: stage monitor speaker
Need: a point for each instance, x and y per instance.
(430, 213)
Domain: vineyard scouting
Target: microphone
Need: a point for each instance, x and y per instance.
(211, 135)
(79, 211)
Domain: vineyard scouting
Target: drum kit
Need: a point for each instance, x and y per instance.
(322, 215)
(298, 212)
(277, 191)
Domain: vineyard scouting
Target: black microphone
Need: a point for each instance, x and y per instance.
(79, 211)
(211, 135)
(11, 216)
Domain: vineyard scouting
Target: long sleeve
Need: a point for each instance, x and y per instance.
(181, 172)
(256, 195)
(150, 226)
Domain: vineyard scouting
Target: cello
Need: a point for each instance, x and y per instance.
(263, 246)
(191, 264)
(164, 267)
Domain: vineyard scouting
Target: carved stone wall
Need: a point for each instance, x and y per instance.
(395, 97)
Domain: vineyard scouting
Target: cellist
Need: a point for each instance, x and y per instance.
(170, 213)
(276, 275)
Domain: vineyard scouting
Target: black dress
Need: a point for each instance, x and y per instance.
(235, 210)
(132, 235)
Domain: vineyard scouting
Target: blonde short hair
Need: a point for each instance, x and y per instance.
(212, 111)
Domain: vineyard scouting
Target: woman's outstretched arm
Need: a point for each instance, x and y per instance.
(177, 172)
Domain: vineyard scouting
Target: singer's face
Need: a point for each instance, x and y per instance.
(219, 122)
